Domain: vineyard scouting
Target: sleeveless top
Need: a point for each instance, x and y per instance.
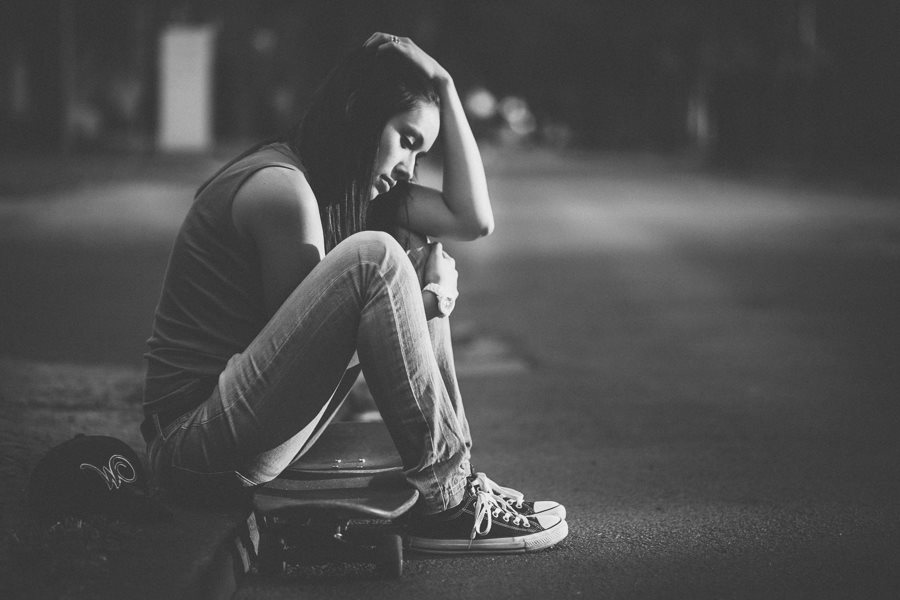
(212, 305)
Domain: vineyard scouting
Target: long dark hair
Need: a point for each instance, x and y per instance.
(337, 140)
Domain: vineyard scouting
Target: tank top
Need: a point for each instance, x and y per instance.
(211, 306)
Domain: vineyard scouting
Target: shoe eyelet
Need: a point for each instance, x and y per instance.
(506, 518)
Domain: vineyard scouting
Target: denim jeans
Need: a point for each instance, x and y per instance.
(273, 399)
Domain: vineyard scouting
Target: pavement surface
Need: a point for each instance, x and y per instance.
(702, 367)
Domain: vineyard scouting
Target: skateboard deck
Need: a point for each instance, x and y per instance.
(338, 502)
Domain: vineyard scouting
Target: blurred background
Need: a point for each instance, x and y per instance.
(112, 112)
(802, 83)
(687, 312)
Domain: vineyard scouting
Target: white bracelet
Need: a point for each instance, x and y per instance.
(445, 301)
(441, 292)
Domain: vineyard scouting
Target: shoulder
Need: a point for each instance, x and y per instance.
(274, 197)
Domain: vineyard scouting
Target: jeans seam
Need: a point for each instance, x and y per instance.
(169, 430)
(444, 498)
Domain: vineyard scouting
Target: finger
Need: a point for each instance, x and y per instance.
(376, 36)
(387, 41)
(377, 39)
(433, 255)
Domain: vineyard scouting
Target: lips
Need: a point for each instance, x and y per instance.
(384, 184)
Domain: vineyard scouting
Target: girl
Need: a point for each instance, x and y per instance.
(279, 280)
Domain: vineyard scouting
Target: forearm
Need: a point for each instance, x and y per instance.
(431, 306)
(465, 189)
(419, 253)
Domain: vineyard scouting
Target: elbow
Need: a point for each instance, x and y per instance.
(487, 227)
(478, 229)
(483, 224)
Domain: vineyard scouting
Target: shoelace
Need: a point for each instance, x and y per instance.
(508, 495)
(489, 507)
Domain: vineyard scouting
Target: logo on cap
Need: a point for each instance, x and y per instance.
(118, 471)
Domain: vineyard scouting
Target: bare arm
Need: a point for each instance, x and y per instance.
(277, 210)
(463, 209)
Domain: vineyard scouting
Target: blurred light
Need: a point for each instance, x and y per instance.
(283, 102)
(264, 41)
(517, 115)
(807, 24)
(84, 121)
(185, 87)
(557, 134)
(125, 94)
(481, 104)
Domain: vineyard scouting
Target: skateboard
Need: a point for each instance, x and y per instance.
(342, 501)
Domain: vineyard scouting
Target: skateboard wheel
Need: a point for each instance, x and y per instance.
(271, 548)
(389, 556)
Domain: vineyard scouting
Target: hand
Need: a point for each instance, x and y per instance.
(440, 268)
(384, 42)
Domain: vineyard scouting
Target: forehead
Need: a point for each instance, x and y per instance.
(424, 118)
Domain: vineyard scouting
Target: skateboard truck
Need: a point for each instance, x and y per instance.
(324, 509)
(345, 541)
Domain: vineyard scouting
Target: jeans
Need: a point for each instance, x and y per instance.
(273, 399)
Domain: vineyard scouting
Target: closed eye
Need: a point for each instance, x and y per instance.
(410, 138)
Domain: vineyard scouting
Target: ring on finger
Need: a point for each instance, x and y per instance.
(395, 39)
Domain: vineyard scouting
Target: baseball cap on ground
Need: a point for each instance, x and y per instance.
(92, 474)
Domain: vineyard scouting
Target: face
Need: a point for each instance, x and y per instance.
(405, 139)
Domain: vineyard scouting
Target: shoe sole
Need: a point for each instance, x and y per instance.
(511, 545)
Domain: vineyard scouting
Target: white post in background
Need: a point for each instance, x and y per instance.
(185, 88)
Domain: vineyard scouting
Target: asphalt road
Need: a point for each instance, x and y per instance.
(711, 389)
(702, 368)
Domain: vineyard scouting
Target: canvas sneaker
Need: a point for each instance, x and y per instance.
(483, 523)
(516, 499)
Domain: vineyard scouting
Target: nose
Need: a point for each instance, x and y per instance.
(404, 170)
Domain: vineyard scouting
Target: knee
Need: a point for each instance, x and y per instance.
(377, 246)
